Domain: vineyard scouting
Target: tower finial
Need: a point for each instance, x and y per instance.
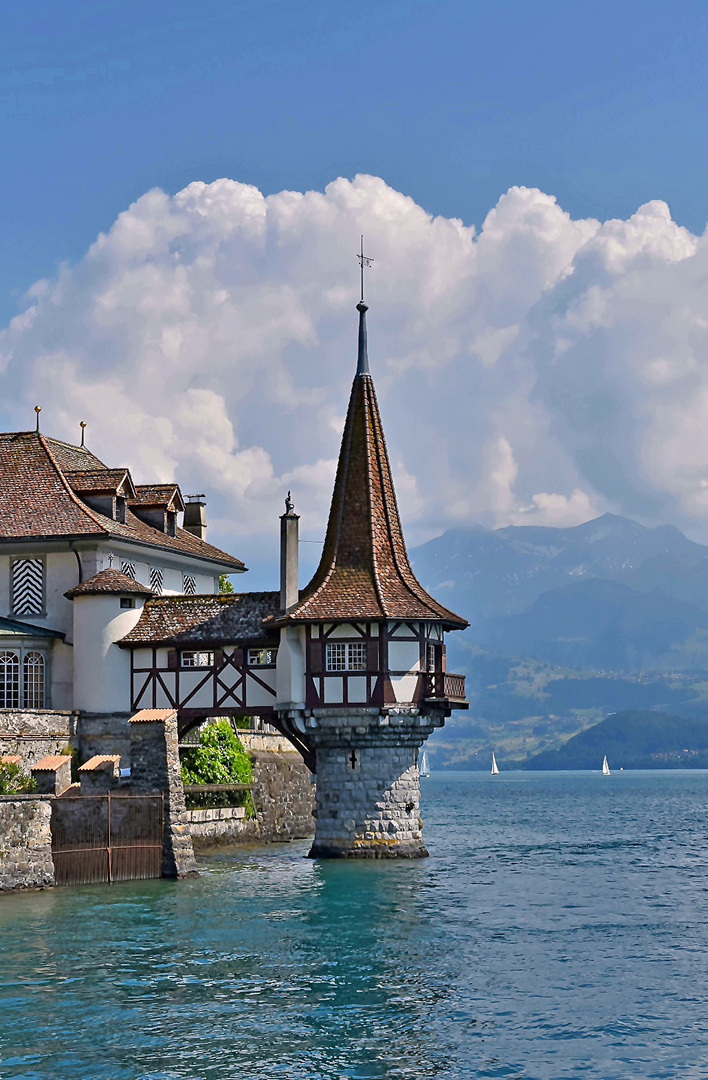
(364, 261)
(82, 425)
(37, 409)
(362, 367)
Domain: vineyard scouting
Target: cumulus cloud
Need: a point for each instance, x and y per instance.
(539, 370)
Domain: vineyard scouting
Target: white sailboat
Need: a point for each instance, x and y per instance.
(605, 766)
(495, 767)
(424, 764)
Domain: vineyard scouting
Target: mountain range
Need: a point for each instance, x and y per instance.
(566, 627)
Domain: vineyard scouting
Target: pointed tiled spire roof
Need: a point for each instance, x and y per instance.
(364, 572)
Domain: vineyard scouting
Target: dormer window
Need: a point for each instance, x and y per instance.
(120, 509)
(171, 523)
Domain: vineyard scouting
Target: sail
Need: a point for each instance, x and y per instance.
(424, 766)
(605, 766)
(495, 767)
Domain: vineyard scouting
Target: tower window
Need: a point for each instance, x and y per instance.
(128, 568)
(28, 587)
(346, 656)
(189, 584)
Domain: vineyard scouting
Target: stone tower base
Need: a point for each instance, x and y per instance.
(368, 786)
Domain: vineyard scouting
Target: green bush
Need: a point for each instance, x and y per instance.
(219, 758)
(13, 781)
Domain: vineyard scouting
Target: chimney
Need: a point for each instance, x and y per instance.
(194, 517)
(289, 529)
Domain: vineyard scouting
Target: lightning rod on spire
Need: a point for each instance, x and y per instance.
(364, 261)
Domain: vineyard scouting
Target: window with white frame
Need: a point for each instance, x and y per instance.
(9, 679)
(346, 656)
(128, 568)
(156, 580)
(27, 582)
(189, 584)
(22, 679)
(197, 659)
(33, 680)
(262, 657)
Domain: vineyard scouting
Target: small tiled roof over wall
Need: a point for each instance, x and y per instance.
(205, 620)
(37, 500)
(109, 581)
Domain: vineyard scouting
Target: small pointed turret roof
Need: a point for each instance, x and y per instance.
(364, 572)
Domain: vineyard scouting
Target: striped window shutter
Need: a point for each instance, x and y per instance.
(28, 586)
(189, 584)
(156, 580)
(128, 568)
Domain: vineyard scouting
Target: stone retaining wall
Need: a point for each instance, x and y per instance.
(284, 796)
(25, 842)
(34, 735)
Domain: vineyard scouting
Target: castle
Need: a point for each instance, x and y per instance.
(114, 607)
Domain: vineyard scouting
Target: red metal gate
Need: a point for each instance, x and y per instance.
(104, 838)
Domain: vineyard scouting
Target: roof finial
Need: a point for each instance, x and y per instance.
(289, 504)
(364, 261)
(82, 425)
(37, 409)
(362, 367)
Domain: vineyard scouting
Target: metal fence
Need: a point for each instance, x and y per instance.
(105, 838)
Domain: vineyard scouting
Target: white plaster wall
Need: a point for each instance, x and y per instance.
(101, 668)
(333, 690)
(255, 693)
(403, 630)
(403, 656)
(61, 679)
(290, 667)
(357, 689)
(404, 687)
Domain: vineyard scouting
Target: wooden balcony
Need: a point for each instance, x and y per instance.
(444, 686)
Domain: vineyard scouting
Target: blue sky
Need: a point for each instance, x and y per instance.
(602, 104)
(541, 362)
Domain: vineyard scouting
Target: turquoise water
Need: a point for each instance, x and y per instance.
(558, 930)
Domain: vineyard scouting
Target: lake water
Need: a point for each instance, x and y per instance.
(558, 930)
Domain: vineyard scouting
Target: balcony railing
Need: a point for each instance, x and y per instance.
(443, 684)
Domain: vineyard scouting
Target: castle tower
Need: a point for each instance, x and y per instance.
(372, 642)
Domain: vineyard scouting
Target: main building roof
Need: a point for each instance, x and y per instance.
(364, 572)
(38, 500)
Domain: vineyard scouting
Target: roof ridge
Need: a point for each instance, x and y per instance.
(82, 506)
(368, 382)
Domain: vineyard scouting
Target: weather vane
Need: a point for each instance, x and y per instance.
(364, 260)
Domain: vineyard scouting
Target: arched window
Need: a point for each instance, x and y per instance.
(33, 678)
(9, 680)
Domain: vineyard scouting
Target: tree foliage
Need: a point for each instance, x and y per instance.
(219, 758)
(13, 781)
(225, 586)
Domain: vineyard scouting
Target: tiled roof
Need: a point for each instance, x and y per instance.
(51, 763)
(204, 620)
(167, 495)
(150, 716)
(10, 759)
(364, 572)
(109, 581)
(99, 481)
(37, 501)
(101, 762)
